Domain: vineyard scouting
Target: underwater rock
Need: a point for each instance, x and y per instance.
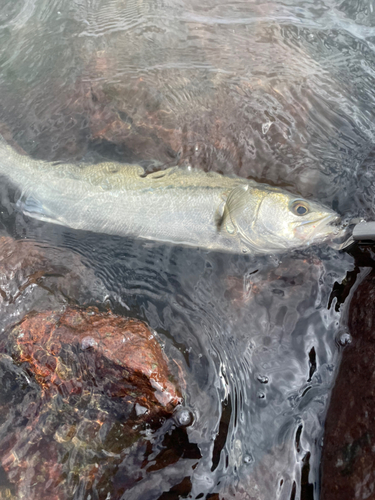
(39, 277)
(217, 123)
(93, 385)
(73, 350)
(141, 135)
(348, 460)
(81, 391)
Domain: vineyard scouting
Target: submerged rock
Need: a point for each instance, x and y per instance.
(348, 460)
(96, 383)
(82, 391)
(37, 277)
(69, 350)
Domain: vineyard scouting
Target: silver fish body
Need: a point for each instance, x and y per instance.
(178, 205)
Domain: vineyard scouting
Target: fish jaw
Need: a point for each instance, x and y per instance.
(321, 229)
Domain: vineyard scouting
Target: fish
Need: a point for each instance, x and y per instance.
(179, 205)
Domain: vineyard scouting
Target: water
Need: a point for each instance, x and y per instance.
(279, 92)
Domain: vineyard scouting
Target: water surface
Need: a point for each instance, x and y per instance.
(282, 92)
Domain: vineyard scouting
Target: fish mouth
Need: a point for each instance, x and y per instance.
(327, 226)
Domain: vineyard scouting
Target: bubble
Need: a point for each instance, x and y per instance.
(248, 459)
(184, 417)
(344, 338)
(263, 379)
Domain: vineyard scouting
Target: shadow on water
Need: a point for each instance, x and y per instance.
(279, 92)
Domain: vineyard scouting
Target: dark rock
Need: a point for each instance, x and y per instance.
(348, 461)
(38, 277)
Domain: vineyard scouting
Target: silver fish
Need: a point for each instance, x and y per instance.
(181, 206)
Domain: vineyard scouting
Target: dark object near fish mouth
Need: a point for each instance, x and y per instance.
(364, 232)
(336, 222)
(355, 231)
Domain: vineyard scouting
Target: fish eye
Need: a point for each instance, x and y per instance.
(300, 207)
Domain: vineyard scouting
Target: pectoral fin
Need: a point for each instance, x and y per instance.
(226, 223)
(32, 207)
(233, 199)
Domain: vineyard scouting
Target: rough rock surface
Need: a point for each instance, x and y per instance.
(64, 350)
(348, 461)
(90, 386)
(81, 390)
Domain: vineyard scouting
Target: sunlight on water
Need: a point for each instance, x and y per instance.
(279, 92)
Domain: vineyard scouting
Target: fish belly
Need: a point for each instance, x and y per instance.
(185, 216)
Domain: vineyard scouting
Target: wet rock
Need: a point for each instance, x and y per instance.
(81, 390)
(144, 134)
(97, 385)
(38, 277)
(215, 121)
(67, 351)
(348, 460)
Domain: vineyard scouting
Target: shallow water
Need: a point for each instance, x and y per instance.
(279, 92)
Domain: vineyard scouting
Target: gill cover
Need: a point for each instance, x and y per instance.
(240, 215)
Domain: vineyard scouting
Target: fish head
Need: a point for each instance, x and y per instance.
(271, 219)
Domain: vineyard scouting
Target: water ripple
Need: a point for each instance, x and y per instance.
(281, 92)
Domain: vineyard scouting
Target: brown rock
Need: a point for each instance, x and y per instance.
(123, 353)
(223, 128)
(88, 386)
(101, 381)
(348, 460)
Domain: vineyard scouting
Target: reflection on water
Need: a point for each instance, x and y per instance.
(280, 92)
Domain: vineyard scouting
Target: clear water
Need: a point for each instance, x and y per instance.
(282, 92)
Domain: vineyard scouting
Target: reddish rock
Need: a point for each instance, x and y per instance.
(101, 381)
(287, 276)
(348, 459)
(80, 389)
(144, 129)
(123, 353)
